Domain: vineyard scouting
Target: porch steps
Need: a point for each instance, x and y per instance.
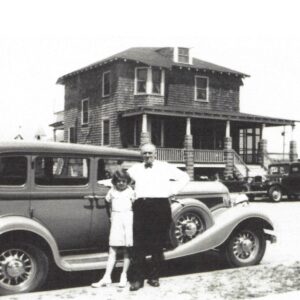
(256, 170)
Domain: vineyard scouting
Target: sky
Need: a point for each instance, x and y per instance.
(41, 40)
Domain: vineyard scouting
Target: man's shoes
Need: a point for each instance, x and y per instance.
(153, 282)
(136, 285)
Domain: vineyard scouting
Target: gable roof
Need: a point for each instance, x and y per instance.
(150, 56)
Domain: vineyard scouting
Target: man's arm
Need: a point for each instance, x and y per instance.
(181, 178)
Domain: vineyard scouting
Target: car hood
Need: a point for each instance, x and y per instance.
(203, 187)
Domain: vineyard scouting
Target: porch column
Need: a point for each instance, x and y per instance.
(145, 136)
(293, 147)
(228, 154)
(188, 150)
(262, 147)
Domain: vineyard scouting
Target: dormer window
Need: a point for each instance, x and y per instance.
(182, 55)
(149, 81)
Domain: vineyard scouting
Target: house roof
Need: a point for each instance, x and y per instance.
(180, 111)
(150, 56)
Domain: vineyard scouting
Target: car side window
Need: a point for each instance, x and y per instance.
(13, 170)
(61, 171)
(106, 168)
(295, 169)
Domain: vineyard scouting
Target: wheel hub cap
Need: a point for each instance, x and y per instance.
(15, 268)
(191, 229)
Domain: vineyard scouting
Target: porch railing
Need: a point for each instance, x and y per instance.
(200, 156)
(208, 156)
(240, 165)
(170, 154)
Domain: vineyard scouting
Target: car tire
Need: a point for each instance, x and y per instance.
(24, 268)
(188, 223)
(245, 247)
(275, 193)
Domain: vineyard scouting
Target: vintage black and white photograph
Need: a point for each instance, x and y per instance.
(149, 149)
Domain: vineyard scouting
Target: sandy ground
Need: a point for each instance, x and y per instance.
(244, 283)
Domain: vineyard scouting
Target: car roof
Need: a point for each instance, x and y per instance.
(55, 147)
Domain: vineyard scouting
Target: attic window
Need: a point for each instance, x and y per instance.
(183, 55)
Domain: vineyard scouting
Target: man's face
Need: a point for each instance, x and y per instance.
(148, 152)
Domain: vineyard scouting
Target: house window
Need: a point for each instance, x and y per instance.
(72, 138)
(183, 55)
(201, 88)
(106, 84)
(106, 133)
(85, 111)
(141, 80)
(149, 81)
(156, 81)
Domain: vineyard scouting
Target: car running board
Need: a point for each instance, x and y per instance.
(84, 262)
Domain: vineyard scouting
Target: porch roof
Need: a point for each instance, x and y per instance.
(206, 114)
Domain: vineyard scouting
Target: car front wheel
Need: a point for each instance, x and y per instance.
(187, 224)
(23, 268)
(275, 193)
(245, 247)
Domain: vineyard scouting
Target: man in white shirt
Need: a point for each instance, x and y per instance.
(155, 182)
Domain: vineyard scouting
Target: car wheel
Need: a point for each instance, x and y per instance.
(245, 247)
(187, 224)
(275, 193)
(23, 268)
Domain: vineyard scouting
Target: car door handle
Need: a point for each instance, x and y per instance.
(91, 200)
(97, 198)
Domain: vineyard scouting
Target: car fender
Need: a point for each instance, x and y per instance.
(224, 224)
(179, 204)
(21, 223)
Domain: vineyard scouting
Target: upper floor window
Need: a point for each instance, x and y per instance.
(13, 170)
(105, 132)
(85, 111)
(106, 84)
(201, 88)
(183, 55)
(149, 81)
(141, 80)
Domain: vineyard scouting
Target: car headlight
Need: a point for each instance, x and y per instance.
(238, 198)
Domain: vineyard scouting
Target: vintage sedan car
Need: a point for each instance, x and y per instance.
(52, 211)
(283, 179)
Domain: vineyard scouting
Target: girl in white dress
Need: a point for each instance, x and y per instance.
(119, 198)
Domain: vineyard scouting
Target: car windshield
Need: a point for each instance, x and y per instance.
(278, 169)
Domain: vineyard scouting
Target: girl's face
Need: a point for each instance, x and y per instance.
(121, 184)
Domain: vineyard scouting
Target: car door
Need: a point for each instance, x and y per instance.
(102, 171)
(292, 181)
(14, 185)
(62, 198)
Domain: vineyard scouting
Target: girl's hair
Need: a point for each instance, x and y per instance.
(120, 174)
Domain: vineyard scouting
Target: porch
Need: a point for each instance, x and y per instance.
(202, 138)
